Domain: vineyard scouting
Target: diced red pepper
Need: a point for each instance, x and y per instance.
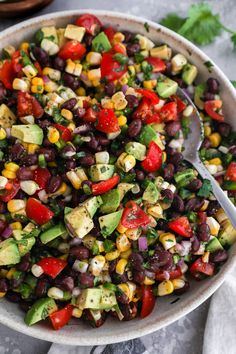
(64, 132)
(200, 268)
(202, 217)
(105, 186)
(41, 176)
(90, 115)
(7, 74)
(16, 65)
(52, 266)
(38, 67)
(231, 172)
(173, 274)
(111, 69)
(148, 301)
(109, 32)
(10, 191)
(181, 226)
(107, 121)
(72, 50)
(181, 105)
(157, 64)
(150, 95)
(119, 48)
(38, 212)
(211, 107)
(153, 160)
(168, 112)
(90, 22)
(61, 317)
(144, 110)
(133, 216)
(28, 105)
(155, 118)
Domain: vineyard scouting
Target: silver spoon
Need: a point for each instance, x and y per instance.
(192, 144)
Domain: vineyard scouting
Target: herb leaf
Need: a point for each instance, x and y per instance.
(173, 22)
(233, 82)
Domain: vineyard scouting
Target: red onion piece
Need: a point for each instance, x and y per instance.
(46, 79)
(142, 243)
(166, 275)
(8, 132)
(7, 232)
(124, 88)
(186, 247)
(149, 274)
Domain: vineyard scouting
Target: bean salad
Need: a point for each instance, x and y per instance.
(99, 213)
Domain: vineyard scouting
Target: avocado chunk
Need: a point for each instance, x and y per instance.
(228, 235)
(28, 133)
(137, 150)
(101, 43)
(9, 253)
(151, 193)
(111, 201)
(40, 310)
(123, 188)
(101, 172)
(166, 87)
(108, 223)
(25, 245)
(198, 94)
(147, 135)
(52, 233)
(214, 245)
(89, 299)
(92, 205)
(108, 299)
(7, 117)
(74, 32)
(79, 222)
(189, 74)
(48, 32)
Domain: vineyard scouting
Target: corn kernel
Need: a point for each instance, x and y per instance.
(118, 37)
(11, 166)
(67, 114)
(53, 135)
(166, 287)
(205, 257)
(120, 267)
(94, 74)
(133, 234)
(168, 240)
(213, 225)
(74, 179)
(221, 216)
(32, 148)
(2, 295)
(164, 156)
(21, 84)
(110, 256)
(37, 81)
(178, 283)
(10, 273)
(81, 91)
(77, 312)
(156, 211)
(15, 205)
(119, 100)
(149, 84)
(216, 161)
(122, 120)
(94, 58)
(122, 243)
(148, 281)
(107, 103)
(124, 79)
(71, 126)
(131, 70)
(137, 68)
(9, 174)
(126, 254)
(50, 86)
(205, 205)
(24, 46)
(215, 139)
(121, 229)
(207, 130)
(16, 225)
(3, 134)
(125, 288)
(96, 265)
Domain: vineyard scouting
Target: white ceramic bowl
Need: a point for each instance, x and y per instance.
(165, 312)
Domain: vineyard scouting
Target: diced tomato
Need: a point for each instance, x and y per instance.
(7, 74)
(107, 121)
(181, 226)
(72, 50)
(111, 69)
(133, 216)
(150, 95)
(105, 186)
(90, 115)
(10, 192)
(202, 217)
(38, 67)
(181, 105)
(157, 64)
(168, 112)
(38, 212)
(119, 48)
(109, 32)
(90, 22)
(211, 109)
(61, 317)
(52, 266)
(41, 176)
(64, 132)
(155, 118)
(148, 301)
(153, 160)
(144, 110)
(231, 172)
(173, 274)
(15, 59)
(200, 268)
(28, 105)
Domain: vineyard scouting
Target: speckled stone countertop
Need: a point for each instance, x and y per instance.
(186, 335)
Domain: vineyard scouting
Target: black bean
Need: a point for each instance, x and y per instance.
(41, 288)
(203, 232)
(136, 261)
(180, 82)
(195, 245)
(49, 153)
(86, 279)
(3, 286)
(170, 151)
(25, 306)
(17, 151)
(206, 143)
(122, 298)
(24, 264)
(3, 225)
(208, 96)
(13, 297)
(119, 278)
(59, 64)
(128, 36)
(132, 49)
(24, 174)
(68, 152)
(110, 89)
(232, 150)
(29, 160)
(134, 128)
(139, 276)
(88, 39)
(212, 208)
(41, 56)
(213, 85)
(44, 123)
(167, 195)
(103, 140)
(129, 311)
(87, 160)
(67, 283)
(168, 172)
(139, 175)
(15, 283)
(69, 104)
(112, 265)
(3, 210)
(93, 144)
(218, 256)
(132, 101)
(194, 185)
(80, 252)
(53, 184)
(194, 204)
(176, 158)
(20, 195)
(172, 128)
(70, 164)
(224, 129)
(183, 290)
(3, 93)
(162, 224)
(71, 81)
(178, 203)
(161, 258)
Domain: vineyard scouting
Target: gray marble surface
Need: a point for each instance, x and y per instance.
(186, 335)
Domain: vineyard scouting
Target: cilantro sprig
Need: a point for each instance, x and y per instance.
(200, 26)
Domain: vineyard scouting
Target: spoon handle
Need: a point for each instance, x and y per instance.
(224, 201)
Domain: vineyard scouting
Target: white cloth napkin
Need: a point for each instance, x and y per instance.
(219, 335)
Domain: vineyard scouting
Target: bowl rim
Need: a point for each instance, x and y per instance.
(190, 304)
